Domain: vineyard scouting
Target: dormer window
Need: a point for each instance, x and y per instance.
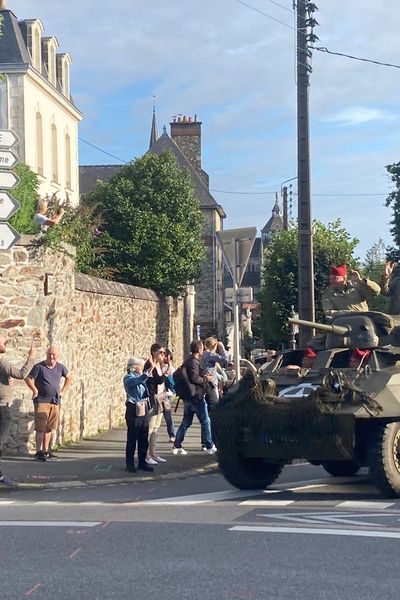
(63, 64)
(33, 30)
(49, 49)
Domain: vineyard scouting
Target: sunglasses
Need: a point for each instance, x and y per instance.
(161, 352)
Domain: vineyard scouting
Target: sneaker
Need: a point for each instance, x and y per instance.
(5, 481)
(145, 468)
(130, 469)
(172, 439)
(211, 450)
(178, 451)
(40, 456)
(204, 448)
(151, 461)
(159, 459)
(51, 455)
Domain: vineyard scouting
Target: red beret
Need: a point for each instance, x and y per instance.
(309, 353)
(339, 271)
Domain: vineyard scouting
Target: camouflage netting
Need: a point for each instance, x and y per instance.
(254, 407)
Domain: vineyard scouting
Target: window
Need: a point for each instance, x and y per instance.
(54, 153)
(52, 64)
(39, 144)
(37, 58)
(68, 183)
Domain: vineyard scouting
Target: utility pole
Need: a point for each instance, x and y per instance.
(305, 22)
(285, 209)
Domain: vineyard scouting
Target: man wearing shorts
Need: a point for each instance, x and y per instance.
(44, 382)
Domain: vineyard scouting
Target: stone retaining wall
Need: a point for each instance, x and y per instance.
(96, 324)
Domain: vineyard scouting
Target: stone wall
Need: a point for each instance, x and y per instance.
(96, 324)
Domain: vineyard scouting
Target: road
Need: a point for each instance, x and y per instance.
(310, 536)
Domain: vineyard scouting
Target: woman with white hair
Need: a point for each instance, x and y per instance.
(137, 413)
(41, 217)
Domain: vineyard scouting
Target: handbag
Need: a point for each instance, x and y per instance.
(141, 408)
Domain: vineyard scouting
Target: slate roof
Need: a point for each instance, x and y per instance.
(90, 174)
(206, 200)
(12, 45)
(275, 223)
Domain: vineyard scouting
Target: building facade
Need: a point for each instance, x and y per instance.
(36, 104)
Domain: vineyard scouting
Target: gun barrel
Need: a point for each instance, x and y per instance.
(337, 329)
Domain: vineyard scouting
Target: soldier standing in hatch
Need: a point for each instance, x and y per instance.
(342, 295)
(390, 286)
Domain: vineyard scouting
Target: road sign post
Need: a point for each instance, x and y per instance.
(8, 180)
(236, 246)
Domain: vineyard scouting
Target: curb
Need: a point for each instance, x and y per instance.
(211, 468)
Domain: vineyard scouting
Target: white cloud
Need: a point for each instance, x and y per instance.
(357, 115)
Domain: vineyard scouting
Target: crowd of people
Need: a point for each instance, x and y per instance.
(150, 387)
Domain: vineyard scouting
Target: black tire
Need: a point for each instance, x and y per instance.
(248, 473)
(341, 468)
(384, 459)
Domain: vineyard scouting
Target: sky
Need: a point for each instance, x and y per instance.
(234, 67)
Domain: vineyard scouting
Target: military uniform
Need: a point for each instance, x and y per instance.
(350, 298)
(390, 286)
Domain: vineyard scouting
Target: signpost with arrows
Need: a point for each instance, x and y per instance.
(8, 180)
(236, 246)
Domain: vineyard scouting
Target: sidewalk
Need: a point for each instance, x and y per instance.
(101, 461)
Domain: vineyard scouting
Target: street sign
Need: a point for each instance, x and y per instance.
(244, 240)
(8, 236)
(8, 139)
(8, 206)
(8, 159)
(8, 180)
(245, 294)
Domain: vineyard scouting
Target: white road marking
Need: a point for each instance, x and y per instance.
(308, 517)
(49, 523)
(313, 531)
(203, 498)
(266, 502)
(306, 487)
(6, 502)
(364, 504)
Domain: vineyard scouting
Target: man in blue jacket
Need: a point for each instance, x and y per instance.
(137, 413)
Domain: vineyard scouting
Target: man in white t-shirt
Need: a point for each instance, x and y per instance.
(43, 220)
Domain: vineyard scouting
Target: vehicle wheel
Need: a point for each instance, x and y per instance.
(341, 468)
(248, 473)
(384, 459)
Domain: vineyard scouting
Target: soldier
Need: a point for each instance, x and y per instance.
(341, 296)
(390, 286)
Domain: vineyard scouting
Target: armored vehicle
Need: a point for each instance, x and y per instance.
(335, 404)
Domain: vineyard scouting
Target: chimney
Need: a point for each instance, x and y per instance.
(186, 133)
(3, 4)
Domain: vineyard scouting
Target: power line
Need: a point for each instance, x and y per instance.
(295, 193)
(103, 151)
(281, 6)
(369, 60)
(264, 13)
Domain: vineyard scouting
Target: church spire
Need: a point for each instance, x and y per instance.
(153, 133)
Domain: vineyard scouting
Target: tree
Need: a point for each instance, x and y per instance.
(393, 200)
(333, 245)
(27, 194)
(373, 268)
(152, 225)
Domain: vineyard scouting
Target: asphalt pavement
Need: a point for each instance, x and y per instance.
(100, 460)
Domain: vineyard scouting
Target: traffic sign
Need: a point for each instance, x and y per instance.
(8, 139)
(8, 236)
(8, 180)
(8, 159)
(243, 239)
(8, 206)
(245, 294)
